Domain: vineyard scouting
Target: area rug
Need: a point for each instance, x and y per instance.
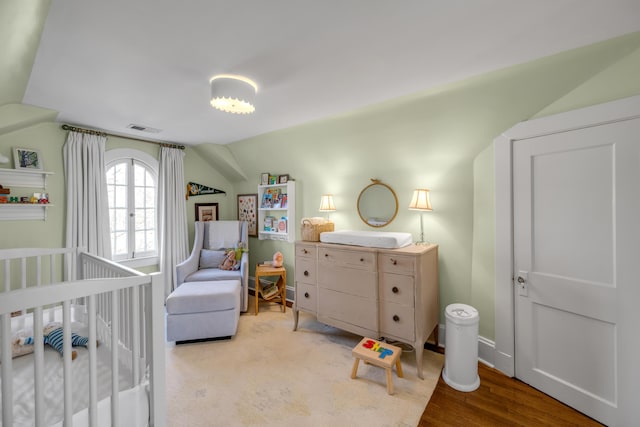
(269, 375)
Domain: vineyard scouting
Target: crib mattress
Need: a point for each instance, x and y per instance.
(23, 384)
(370, 239)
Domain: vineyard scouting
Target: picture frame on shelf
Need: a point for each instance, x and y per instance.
(264, 178)
(273, 179)
(283, 179)
(248, 211)
(206, 211)
(27, 158)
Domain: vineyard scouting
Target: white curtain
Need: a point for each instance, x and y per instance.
(87, 204)
(174, 241)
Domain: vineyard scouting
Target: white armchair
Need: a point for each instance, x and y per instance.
(211, 239)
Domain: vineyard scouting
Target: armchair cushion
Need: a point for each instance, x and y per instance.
(211, 259)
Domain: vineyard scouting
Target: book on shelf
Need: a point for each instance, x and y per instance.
(270, 290)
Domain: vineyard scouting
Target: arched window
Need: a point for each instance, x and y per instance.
(132, 186)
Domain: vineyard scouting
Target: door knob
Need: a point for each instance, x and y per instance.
(521, 279)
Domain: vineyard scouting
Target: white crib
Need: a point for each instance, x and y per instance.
(116, 306)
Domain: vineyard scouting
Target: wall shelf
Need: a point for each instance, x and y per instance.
(12, 178)
(289, 189)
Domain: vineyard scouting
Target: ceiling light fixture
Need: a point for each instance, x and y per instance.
(233, 94)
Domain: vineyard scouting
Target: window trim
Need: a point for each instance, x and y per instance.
(114, 156)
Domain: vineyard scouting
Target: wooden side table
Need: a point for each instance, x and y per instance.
(280, 296)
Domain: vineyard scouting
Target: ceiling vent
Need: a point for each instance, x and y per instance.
(143, 128)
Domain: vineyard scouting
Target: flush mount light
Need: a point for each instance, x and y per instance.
(233, 94)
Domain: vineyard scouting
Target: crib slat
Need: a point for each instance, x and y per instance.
(6, 369)
(38, 367)
(135, 347)
(93, 364)
(7, 275)
(115, 327)
(66, 350)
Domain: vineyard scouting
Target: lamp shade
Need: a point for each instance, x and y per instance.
(326, 203)
(233, 94)
(420, 200)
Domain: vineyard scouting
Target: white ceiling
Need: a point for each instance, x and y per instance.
(108, 64)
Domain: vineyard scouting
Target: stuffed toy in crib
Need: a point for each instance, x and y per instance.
(52, 333)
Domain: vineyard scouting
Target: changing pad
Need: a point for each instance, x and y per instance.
(370, 239)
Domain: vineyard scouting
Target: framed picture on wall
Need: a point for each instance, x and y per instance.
(282, 179)
(206, 211)
(27, 158)
(248, 211)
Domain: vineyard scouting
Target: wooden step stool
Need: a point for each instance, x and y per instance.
(379, 354)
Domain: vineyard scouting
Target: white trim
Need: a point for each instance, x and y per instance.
(140, 262)
(610, 112)
(486, 351)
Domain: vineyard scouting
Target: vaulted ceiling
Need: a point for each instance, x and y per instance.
(110, 64)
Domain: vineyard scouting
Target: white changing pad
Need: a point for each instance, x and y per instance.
(370, 239)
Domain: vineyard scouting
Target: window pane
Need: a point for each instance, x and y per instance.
(150, 196)
(150, 219)
(120, 223)
(140, 222)
(151, 240)
(139, 174)
(121, 173)
(120, 243)
(139, 197)
(121, 197)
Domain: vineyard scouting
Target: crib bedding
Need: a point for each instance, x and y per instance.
(371, 239)
(23, 383)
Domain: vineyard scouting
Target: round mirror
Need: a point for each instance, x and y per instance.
(377, 204)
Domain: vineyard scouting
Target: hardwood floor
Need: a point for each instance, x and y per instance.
(499, 401)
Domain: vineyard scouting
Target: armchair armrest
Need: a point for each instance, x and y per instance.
(244, 271)
(187, 266)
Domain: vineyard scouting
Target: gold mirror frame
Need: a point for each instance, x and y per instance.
(367, 219)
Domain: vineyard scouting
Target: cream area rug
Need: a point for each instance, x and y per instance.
(269, 375)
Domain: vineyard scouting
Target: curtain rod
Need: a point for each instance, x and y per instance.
(96, 132)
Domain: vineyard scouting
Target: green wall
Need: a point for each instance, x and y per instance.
(439, 139)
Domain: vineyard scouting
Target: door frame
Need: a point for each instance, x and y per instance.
(610, 112)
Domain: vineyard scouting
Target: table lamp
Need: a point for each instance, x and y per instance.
(326, 204)
(420, 202)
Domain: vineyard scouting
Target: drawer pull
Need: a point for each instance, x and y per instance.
(304, 251)
(306, 294)
(326, 255)
(396, 318)
(394, 261)
(306, 273)
(395, 289)
(361, 259)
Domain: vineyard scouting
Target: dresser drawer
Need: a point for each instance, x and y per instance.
(397, 320)
(306, 271)
(361, 260)
(306, 297)
(397, 288)
(350, 281)
(398, 264)
(306, 251)
(362, 312)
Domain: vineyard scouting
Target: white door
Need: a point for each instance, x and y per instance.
(577, 294)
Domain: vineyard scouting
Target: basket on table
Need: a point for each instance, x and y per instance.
(312, 227)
